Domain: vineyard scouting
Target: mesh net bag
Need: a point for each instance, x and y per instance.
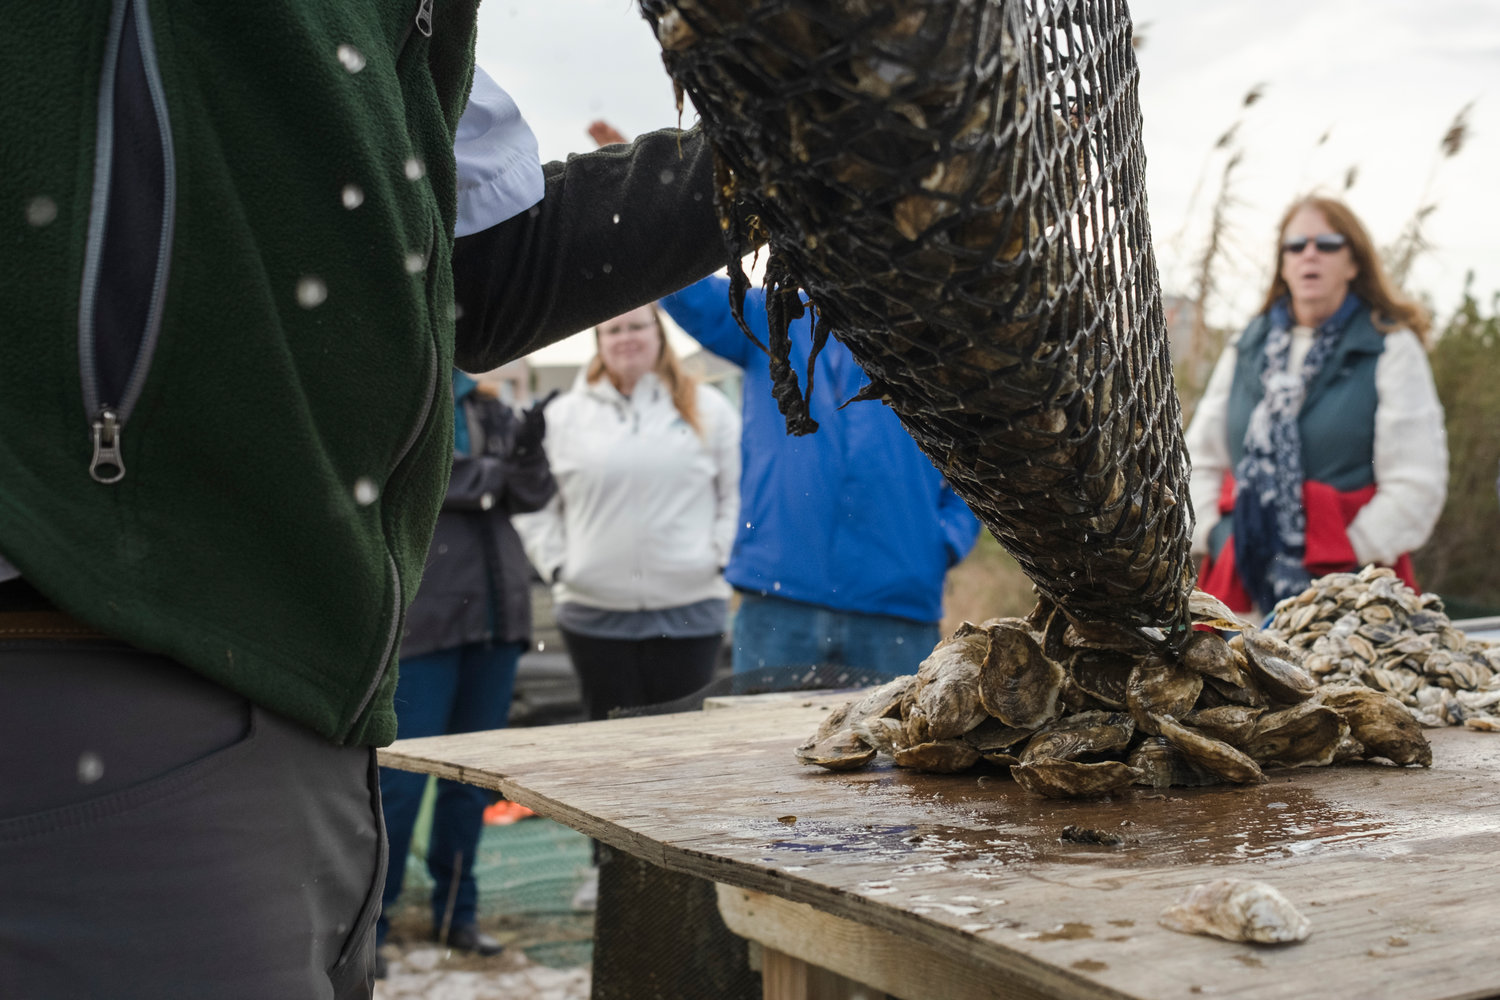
(958, 188)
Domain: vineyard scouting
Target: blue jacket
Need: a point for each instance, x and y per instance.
(853, 517)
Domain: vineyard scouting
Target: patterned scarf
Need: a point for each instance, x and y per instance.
(1270, 524)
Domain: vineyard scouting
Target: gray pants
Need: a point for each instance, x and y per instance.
(161, 837)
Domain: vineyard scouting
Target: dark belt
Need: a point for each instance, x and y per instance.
(25, 613)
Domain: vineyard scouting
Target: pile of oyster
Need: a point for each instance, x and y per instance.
(1369, 628)
(1091, 718)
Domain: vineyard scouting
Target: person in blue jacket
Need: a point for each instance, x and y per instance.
(844, 535)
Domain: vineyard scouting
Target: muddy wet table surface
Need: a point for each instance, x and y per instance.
(964, 885)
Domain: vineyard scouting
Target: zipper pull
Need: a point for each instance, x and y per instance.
(424, 18)
(108, 465)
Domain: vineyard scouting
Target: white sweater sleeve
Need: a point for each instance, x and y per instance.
(725, 444)
(1208, 449)
(1411, 456)
(542, 537)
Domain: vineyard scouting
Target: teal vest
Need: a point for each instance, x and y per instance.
(1337, 420)
(286, 431)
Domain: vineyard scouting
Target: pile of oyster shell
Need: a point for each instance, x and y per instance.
(1092, 719)
(1369, 628)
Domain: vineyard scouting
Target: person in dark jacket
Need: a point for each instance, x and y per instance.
(465, 633)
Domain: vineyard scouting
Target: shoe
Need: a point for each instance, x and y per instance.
(469, 937)
(505, 812)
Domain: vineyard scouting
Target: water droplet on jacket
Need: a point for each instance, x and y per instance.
(352, 196)
(776, 585)
(311, 292)
(415, 263)
(668, 177)
(442, 550)
(607, 268)
(90, 767)
(365, 491)
(458, 310)
(617, 218)
(749, 525)
(415, 169)
(41, 211)
(351, 58)
(487, 501)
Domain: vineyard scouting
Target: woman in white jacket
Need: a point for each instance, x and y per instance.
(647, 465)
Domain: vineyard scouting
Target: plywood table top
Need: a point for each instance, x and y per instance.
(1397, 868)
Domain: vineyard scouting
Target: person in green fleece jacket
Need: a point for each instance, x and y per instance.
(245, 244)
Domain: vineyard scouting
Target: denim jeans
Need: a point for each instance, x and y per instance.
(460, 690)
(771, 632)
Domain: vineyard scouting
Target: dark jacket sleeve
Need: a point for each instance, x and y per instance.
(567, 264)
(528, 477)
(530, 485)
(474, 478)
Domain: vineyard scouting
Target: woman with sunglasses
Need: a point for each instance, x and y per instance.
(1318, 445)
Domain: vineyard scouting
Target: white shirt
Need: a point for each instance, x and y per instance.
(645, 510)
(499, 169)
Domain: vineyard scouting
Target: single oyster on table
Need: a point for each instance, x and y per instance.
(1380, 722)
(1231, 723)
(1018, 684)
(1274, 666)
(1067, 779)
(997, 742)
(1159, 687)
(1206, 609)
(1162, 765)
(1207, 653)
(842, 751)
(942, 756)
(1210, 754)
(1237, 910)
(946, 699)
(1305, 735)
(850, 735)
(1098, 677)
(1086, 734)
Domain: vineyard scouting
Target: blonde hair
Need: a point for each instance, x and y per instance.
(1390, 309)
(682, 385)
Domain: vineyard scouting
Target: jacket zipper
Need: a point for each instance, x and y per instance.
(422, 22)
(393, 634)
(107, 418)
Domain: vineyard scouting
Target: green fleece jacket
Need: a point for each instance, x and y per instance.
(286, 429)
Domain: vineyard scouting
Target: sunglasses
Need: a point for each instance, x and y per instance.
(1326, 243)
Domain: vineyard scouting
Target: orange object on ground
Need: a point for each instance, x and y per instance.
(505, 812)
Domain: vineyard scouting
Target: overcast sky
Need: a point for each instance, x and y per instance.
(1382, 77)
